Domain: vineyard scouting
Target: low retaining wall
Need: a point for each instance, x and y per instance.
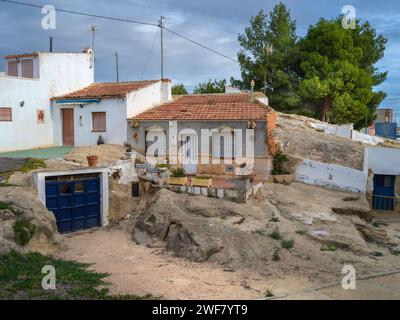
(331, 176)
(228, 194)
(366, 138)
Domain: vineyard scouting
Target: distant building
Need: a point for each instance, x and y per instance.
(385, 125)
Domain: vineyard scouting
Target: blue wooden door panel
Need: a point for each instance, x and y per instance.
(383, 194)
(75, 204)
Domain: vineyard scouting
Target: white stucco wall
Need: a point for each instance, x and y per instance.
(59, 73)
(382, 160)
(148, 97)
(116, 122)
(366, 138)
(343, 131)
(331, 176)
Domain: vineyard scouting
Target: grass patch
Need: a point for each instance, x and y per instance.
(21, 277)
(23, 231)
(32, 164)
(274, 219)
(328, 247)
(394, 252)
(302, 232)
(287, 244)
(276, 234)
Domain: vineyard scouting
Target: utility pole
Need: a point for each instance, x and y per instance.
(51, 44)
(93, 29)
(161, 25)
(117, 65)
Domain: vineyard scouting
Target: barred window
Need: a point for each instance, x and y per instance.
(5, 114)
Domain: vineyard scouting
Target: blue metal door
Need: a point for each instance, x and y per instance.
(383, 196)
(75, 202)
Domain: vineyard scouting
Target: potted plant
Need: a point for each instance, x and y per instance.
(177, 177)
(163, 167)
(129, 153)
(202, 181)
(92, 160)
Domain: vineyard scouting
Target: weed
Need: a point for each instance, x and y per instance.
(274, 219)
(268, 294)
(23, 231)
(275, 234)
(287, 244)
(328, 247)
(276, 256)
(32, 164)
(302, 232)
(377, 254)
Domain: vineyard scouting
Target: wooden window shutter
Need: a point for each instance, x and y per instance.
(27, 68)
(99, 122)
(13, 68)
(5, 114)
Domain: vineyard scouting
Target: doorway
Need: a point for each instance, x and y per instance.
(68, 127)
(383, 197)
(188, 153)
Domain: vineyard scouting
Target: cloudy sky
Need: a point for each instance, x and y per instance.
(215, 23)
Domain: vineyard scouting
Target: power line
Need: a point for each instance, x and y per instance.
(82, 13)
(200, 45)
(124, 20)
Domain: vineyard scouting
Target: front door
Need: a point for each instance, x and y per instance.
(189, 153)
(68, 127)
(383, 196)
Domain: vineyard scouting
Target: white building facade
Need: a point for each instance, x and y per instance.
(50, 99)
(26, 87)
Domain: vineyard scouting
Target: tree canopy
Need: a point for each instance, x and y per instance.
(178, 89)
(210, 86)
(329, 74)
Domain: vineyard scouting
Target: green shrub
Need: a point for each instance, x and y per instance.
(287, 244)
(280, 161)
(276, 234)
(32, 164)
(178, 173)
(23, 231)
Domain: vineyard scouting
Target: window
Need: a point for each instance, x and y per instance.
(5, 114)
(13, 68)
(99, 122)
(223, 145)
(27, 68)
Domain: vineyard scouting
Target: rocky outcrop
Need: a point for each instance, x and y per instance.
(201, 229)
(25, 224)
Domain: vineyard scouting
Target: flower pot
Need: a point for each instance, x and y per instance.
(180, 181)
(201, 182)
(92, 160)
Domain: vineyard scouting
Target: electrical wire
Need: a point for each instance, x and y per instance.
(124, 20)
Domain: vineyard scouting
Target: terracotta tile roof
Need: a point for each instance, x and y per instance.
(107, 90)
(23, 55)
(208, 107)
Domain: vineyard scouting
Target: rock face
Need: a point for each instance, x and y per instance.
(299, 139)
(202, 229)
(36, 226)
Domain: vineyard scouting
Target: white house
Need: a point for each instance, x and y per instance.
(80, 117)
(50, 99)
(26, 86)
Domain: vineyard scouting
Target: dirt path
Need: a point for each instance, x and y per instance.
(140, 270)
